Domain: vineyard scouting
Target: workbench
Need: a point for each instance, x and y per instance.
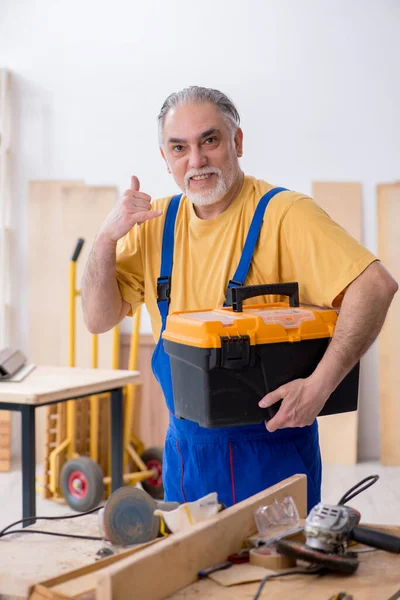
(377, 578)
(167, 568)
(48, 385)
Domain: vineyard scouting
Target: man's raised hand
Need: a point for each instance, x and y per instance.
(133, 208)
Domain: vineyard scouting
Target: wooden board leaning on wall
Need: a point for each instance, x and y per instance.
(389, 339)
(60, 212)
(343, 203)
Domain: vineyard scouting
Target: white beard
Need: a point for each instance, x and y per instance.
(209, 197)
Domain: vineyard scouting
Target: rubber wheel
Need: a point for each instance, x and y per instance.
(153, 459)
(81, 482)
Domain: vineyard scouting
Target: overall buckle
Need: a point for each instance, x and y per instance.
(164, 289)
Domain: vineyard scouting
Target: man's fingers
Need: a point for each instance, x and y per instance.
(141, 217)
(132, 196)
(135, 183)
(139, 203)
(272, 397)
(274, 423)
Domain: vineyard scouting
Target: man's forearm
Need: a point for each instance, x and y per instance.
(101, 298)
(362, 314)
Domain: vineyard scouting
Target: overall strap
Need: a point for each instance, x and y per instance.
(167, 256)
(251, 240)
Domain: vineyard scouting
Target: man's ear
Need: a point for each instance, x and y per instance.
(238, 139)
(164, 157)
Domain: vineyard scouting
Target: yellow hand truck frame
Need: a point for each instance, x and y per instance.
(80, 479)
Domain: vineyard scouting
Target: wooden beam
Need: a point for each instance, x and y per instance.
(180, 557)
(176, 559)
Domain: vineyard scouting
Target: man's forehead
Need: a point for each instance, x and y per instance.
(190, 120)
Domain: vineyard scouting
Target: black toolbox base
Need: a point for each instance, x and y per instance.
(217, 389)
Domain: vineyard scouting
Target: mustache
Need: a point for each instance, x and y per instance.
(203, 171)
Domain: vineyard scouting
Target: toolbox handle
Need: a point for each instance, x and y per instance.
(78, 249)
(241, 293)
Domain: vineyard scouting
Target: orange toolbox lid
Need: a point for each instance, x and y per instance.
(264, 324)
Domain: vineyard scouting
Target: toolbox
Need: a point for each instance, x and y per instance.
(224, 360)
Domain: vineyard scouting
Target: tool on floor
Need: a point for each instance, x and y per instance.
(128, 517)
(132, 516)
(330, 528)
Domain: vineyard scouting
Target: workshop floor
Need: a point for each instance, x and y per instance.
(379, 504)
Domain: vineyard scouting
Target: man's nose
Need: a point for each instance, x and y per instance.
(197, 159)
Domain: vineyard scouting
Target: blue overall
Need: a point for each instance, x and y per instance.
(236, 461)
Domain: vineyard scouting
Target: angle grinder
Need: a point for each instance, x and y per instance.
(328, 531)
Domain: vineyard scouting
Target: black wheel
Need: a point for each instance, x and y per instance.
(81, 482)
(153, 459)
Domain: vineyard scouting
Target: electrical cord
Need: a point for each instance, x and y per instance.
(349, 495)
(310, 571)
(68, 535)
(6, 531)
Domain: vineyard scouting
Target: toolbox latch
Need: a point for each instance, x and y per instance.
(235, 351)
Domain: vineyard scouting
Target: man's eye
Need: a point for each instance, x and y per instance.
(177, 148)
(210, 140)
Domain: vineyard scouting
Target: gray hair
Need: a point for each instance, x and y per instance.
(196, 95)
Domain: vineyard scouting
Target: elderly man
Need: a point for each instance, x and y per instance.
(201, 142)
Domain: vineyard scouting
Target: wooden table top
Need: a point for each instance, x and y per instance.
(51, 384)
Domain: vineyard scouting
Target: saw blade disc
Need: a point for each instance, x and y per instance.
(344, 563)
(128, 517)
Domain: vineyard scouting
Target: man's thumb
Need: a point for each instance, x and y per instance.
(135, 184)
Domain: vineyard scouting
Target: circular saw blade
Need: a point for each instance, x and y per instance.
(128, 517)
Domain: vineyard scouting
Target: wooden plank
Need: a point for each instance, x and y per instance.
(48, 384)
(181, 556)
(185, 553)
(389, 339)
(82, 581)
(343, 203)
(59, 213)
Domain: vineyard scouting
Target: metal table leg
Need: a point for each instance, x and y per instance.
(28, 464)
(116, 409)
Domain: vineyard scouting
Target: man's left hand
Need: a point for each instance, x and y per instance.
(302, 400)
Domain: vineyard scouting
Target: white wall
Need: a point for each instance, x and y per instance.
(317, 84)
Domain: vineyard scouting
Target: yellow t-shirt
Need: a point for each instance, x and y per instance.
(298, 242)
